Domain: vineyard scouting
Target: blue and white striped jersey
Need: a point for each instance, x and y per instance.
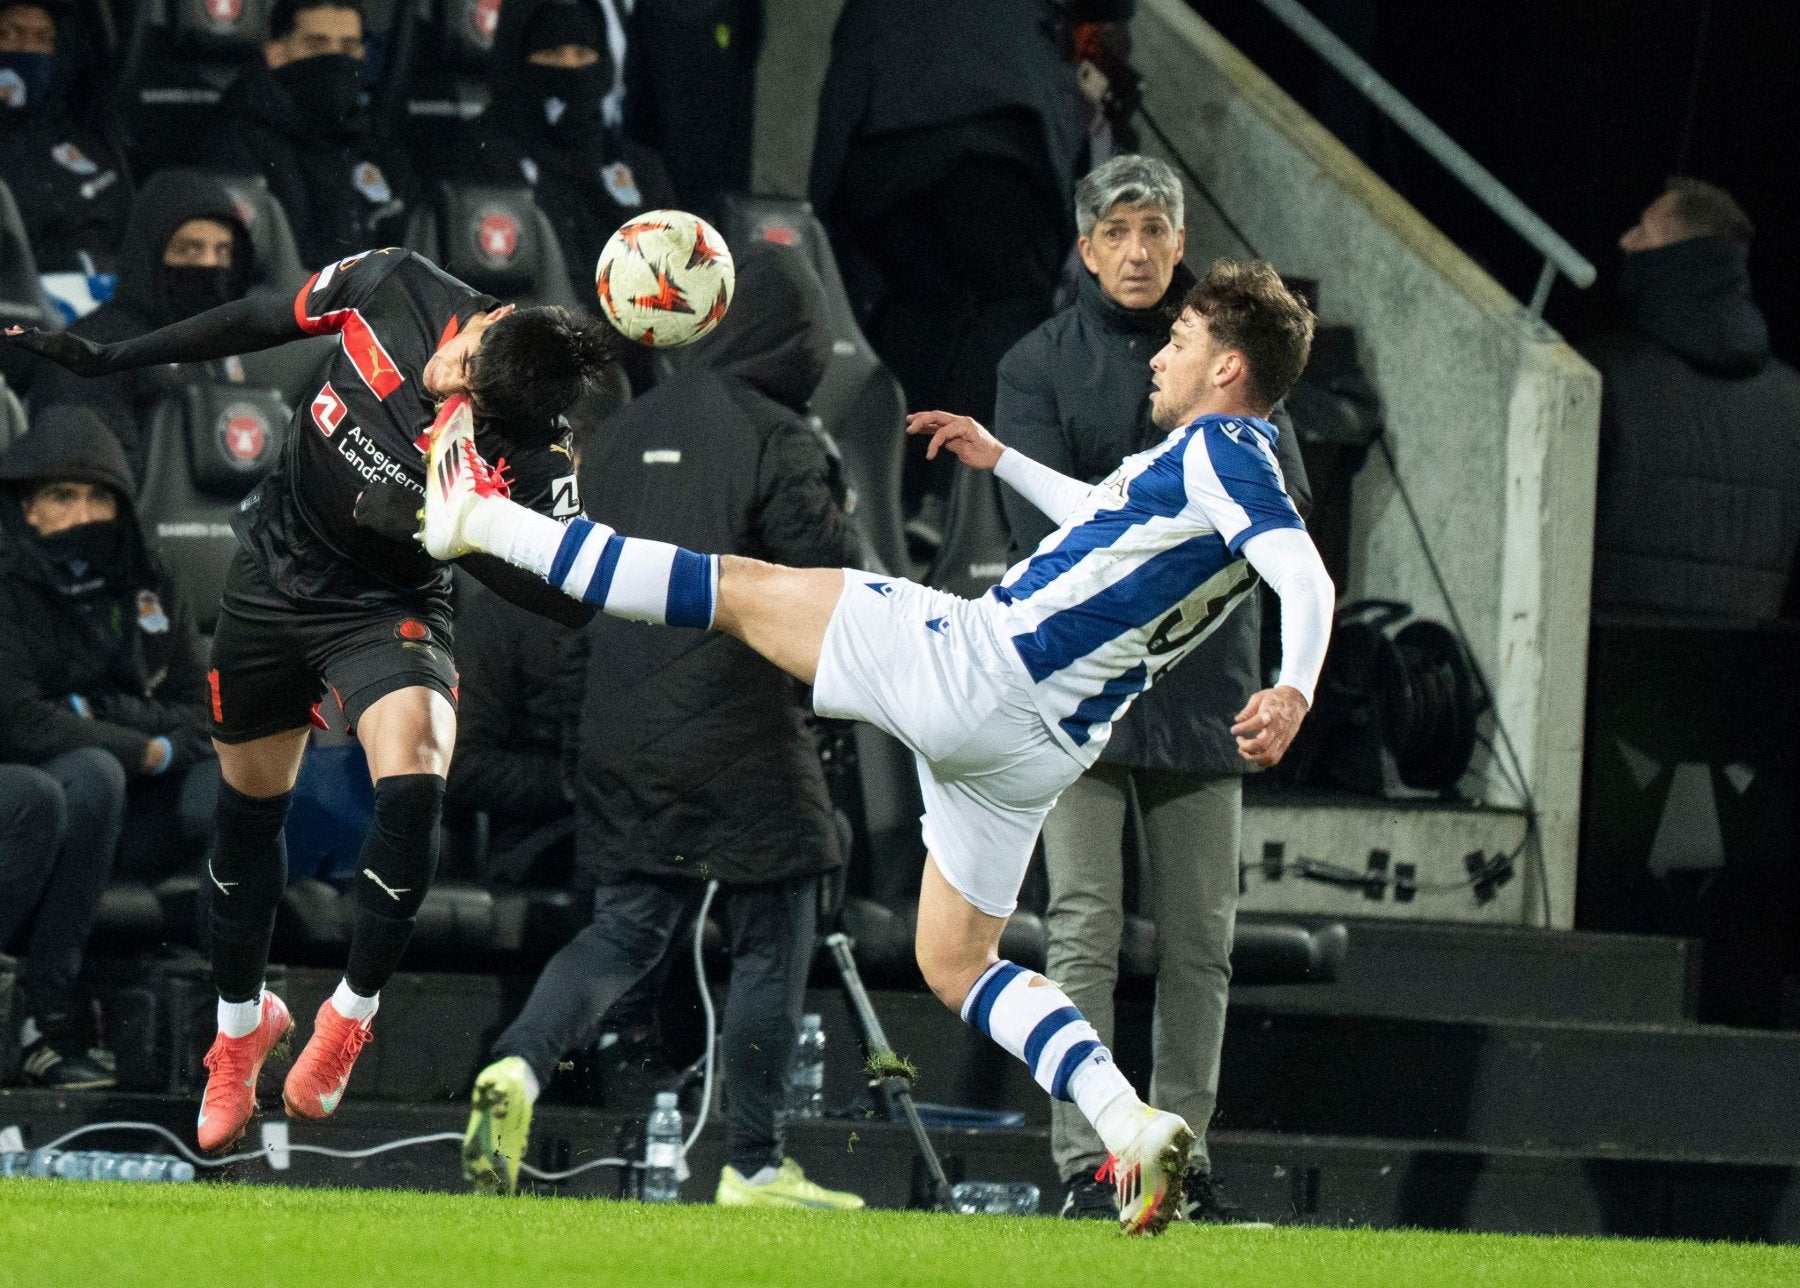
(1142, 572)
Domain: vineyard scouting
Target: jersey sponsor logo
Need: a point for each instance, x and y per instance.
(243, 434)
(328, 410)
(222, 13)
(496, 235)
(483, 20)
(73, 159)
(565, 498)
(1191, 619)
(367, 179)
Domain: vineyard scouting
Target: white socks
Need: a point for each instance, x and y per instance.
(239, 1019)
(522, 537)
(354, 1006)
(532, 1089)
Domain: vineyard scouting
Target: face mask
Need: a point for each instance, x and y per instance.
(567, 102)
(182, 290)
(326, 87)
(25, 80)
(85, 549)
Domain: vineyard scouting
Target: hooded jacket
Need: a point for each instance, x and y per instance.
(693, 754)
(586, 188)
(344, 188)
(1698, 510)
(141, 302)
(69, 185)
(114, 633)
(1075, 395)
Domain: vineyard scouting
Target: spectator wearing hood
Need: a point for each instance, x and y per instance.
(1699, 495)
(101, 688)
(298, 119)
(550, 72)
(68, 184)
(693, 757)
(186, 250)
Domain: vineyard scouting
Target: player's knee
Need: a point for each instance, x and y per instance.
(950, 970)
(400, 856)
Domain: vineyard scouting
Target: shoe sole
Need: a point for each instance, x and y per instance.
(482, 1165)
(279, 1049)
(1171, 1167)
(434, 465)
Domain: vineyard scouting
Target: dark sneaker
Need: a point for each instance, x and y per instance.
(64, 1069)
(1204, 1199)
(1087, 1199)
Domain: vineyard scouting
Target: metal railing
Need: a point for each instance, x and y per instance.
(1496, 196)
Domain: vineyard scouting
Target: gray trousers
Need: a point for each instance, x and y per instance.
(1192, 825)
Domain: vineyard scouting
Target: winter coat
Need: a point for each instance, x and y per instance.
(1699, 497)
(117, 636)
(1075, 395)
(343, 192)
(138, 305)
(694, 757)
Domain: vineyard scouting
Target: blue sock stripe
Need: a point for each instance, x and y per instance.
(1044, 1030)
(690, 600)
(989, 993)
(967, 1012)
(598, 588)
(1059, 1085)
(573, 537)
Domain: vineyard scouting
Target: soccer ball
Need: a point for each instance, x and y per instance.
(665, 278)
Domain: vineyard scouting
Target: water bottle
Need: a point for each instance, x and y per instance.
(806, 1086)
(995, 1198)
(95, 1165)
(662, 1151)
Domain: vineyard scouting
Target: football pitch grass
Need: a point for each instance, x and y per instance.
(201, 1235)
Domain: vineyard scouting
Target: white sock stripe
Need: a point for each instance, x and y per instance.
(640, 584)
(1050, 1059)
(587, 559)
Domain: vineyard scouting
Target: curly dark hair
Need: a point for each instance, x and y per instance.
(534, 364)
(1249, 308)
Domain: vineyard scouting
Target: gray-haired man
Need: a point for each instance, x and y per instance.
(1074, 394)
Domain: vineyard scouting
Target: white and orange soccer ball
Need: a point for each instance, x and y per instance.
(665, 278)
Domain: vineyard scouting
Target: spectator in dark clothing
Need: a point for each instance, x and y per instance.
(299, 120)
(1074, 394)
(101, 685)
(949, 138)
(1699, 496)
(551, 68)
(68, 184)
(186, 250)
(694, 761)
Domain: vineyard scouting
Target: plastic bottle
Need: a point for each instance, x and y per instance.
(95, 1164)
(995, 1198)
(806, 1086)
(662, 1151)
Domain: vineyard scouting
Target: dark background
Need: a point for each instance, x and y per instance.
(1581, 107)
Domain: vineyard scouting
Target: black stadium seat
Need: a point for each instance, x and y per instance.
(496, 239)
(277, 266)
(448, 85)
(179, 57)
(22, 298)
(209, 445)
(974, 554)
(12, 416)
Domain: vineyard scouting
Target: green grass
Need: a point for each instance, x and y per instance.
(199, 1235)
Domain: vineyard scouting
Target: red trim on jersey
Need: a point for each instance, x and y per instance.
(212, 682)
(361, 345)
(451, 327)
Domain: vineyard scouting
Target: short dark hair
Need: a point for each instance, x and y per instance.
(1249, 308)
(532, 366)
(286, 14)
(1707, 210)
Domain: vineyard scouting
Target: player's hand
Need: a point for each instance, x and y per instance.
(390, 510)
(83, 357)
(1267, 724)
(965, 438)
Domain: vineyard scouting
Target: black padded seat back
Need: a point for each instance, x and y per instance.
(22, 298)
(277, 255)
(180, 55)
(12, 417)
(858, 402)
(976, 537)
(209, 445)
(447, 86)
(497, 240)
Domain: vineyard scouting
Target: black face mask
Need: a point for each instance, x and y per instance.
(183, 290)
(327, 88)
(565, 103)
(87, 549)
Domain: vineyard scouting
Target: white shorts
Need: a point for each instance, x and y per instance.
(925, 667)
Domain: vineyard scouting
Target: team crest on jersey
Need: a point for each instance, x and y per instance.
(151, 618)
(243, 433)
(497, 237)
(621, 184)
(12, 88)
(368, 180)
(327, 410)
(73, 159)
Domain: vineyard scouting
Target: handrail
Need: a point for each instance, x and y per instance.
(1496, 196)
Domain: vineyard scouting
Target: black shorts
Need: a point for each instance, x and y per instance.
(275, 659)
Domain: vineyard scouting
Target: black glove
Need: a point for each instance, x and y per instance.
(390, 510)
(83, 357)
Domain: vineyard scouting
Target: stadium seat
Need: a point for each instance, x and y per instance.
(976, 537)
(179, 57)
(277, 264)
(858, 403)
(209, 445)
(12, 417)
(22, 298)
(448, 85)
(496, 239)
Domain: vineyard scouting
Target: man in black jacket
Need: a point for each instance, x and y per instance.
(1074, 394)
(101, 687)
(186, 249)
(695, 763)
(298, 119)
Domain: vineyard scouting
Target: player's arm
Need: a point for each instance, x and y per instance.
(1287, 559)
(248, 325)
(1057, 495)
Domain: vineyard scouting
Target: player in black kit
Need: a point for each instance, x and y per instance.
(317, 604)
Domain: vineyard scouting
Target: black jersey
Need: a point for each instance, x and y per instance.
(368, 420)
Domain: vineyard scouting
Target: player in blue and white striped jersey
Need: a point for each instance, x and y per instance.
(1006, 699)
